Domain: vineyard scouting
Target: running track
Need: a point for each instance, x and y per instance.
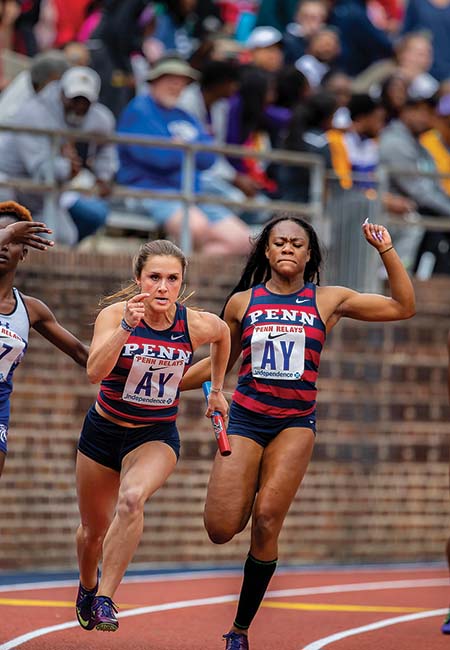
(385, 608)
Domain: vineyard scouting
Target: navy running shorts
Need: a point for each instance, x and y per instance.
(4, 426)
(108, 443)
(4, 437)
(264, 428)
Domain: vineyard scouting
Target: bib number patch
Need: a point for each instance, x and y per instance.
(278, 352)
(11, 351)
(152, 381)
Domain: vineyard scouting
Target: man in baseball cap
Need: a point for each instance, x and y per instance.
(265, 48)
(80, 87)
(213, 227)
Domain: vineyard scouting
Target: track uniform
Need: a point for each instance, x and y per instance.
(14, 332)
(142, 389)
(282, 339)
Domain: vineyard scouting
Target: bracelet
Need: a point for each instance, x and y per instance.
(215, 390)
(124, 325)
(386, 251)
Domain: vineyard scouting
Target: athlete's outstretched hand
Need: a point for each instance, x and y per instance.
(378, 236)
(27, 233)
(134, 309)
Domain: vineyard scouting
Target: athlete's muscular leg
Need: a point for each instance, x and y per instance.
(97, 489)
(144, 470)
(231, 490)
(283, 467)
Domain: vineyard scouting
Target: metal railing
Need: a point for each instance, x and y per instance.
(313, 209)
(335, 213)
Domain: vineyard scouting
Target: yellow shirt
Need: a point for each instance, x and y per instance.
(432, 142)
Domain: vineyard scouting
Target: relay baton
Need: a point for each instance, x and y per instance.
(218, 424)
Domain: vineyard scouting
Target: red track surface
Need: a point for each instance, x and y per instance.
(286, 622)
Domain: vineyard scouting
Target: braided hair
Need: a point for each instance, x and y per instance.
(257, 270)
(14, 210)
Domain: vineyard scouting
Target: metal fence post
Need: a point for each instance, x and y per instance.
(316, 196)
(51, 198)
(187, 179)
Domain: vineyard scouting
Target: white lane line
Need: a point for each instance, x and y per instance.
(200, 602)
(283, 593)
(322, 643)
(360, 586)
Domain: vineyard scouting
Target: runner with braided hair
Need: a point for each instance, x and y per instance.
(278, 318)
(18, 233)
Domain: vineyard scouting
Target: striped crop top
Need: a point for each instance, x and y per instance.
(143, 387)
(282, 338)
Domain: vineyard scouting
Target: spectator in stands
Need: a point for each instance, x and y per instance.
(400, 147)
(121, 32)
(254, 121)
(46, 67)
(386, 14)
(9, 12)
(307, 134)
(208, 102)
(91, 19)
(265, 47)
(292, 87)
(173, 26)
(70, 103)
(77, 53)
(362, 42)
(437, 140)
(413, 57)
(321, 55)
(355, 153)
(340, 85)
(65, 18)
(207, 21)
(277, 13)
(310, 17)
(434, 16)
(394, 92)
(214, 228)
(25, 39)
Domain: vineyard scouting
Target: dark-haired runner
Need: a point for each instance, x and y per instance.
(278, 318)
(18, 232)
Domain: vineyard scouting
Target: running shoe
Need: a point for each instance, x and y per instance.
(104, 614)
(83, 606)
(236, 641)
(445, 629)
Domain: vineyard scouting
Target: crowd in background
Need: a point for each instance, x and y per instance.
(357, 82)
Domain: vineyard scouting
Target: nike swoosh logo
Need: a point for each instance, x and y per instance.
(81, 620)
(276, 336)
(299, 302)
(175, 338)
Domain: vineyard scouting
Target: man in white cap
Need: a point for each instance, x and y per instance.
(265, 48)
(214, 228)
(70, 103)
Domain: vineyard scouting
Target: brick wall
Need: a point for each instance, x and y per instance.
(377, 488)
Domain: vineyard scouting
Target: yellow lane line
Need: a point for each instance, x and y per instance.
(21, 602)
(317, 607)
